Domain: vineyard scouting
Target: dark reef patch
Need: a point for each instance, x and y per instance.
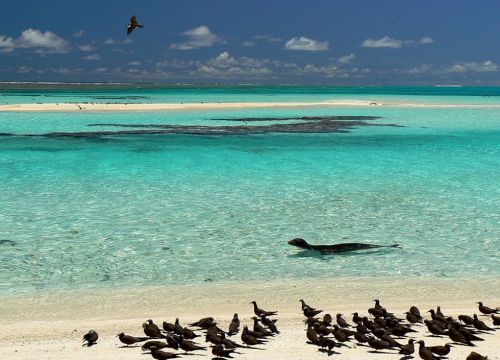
(306, 124)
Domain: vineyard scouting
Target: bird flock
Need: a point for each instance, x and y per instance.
(174, 336)
(381, 331)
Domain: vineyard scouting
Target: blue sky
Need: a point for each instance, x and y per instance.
(338, 42)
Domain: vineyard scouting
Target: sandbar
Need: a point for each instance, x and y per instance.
(147, 107)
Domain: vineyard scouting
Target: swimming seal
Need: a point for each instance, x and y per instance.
(337, 248)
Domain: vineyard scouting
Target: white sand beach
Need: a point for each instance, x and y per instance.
(118, 107)
(50, 326)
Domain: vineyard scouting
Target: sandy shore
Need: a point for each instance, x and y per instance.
(50, 326)
(118, 107)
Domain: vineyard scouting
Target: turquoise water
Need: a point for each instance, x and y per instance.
(185, 209)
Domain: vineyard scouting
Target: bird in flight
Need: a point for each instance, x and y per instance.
(133, 24)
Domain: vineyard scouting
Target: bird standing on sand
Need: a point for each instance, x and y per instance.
(129, 340)
(234, 326)
(476, 356)
(260, 312)
(408, 349)
(91, 338)
(219, 351)
(478, 324)
(487, 310)
(270, 324)
(133, 24)
(496, 320)
(424, 352)
(151, 329)
(441, 350)
(162, 355)
(188, 346)
(249, 339)
(157, 343)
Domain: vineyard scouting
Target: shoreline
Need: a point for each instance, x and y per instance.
(74, 304)
(152, 107)
(52, 324)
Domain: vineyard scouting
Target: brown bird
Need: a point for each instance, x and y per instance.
(341, 321)
(424, 352)
(260, 329)
(440, 350)
(415, 311)
(310, 312)
(496, 320)
(304, 305)
(412, 318)
(312, 335)
(234, 326)
(157, 343)
(393, 343)
(378, 344)
(456, 336)
(378, 306)
(327, 319)
(478, 324)
(129, 340)
(219, 351)
(91, 338)
(486, 310)
(466, 319)
(188, 346)
(168, 326)
(133, 24)
(162, 355)
(361, 338)
(229, 344)
(436, 317)
(476, 356)
(249, 339)
(204, 323)
(355, 318)
(261, 312)
(151, 329)
(271, 324)
(435, 327)
(469, 334)
(408, 349)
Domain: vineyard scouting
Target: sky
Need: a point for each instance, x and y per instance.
(330, 42)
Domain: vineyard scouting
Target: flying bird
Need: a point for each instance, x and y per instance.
(133, 24)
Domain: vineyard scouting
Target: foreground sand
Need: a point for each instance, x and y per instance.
(50, 326)
(118, 107)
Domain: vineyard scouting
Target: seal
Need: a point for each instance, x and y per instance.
(336, 248)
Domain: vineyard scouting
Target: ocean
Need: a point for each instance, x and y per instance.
(112, 208)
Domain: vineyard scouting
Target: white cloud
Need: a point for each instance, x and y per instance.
(486, 66)
(197, 38)
(426, 40)
(225, 66)
(79, 33)
(305, 44)
(44, 42)
(346, 59)
(134, 63)
(6, 44)
(421, 69)
(111, 41)
(93, 57)
(24, 69)
(87, 47)
(385, 42)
